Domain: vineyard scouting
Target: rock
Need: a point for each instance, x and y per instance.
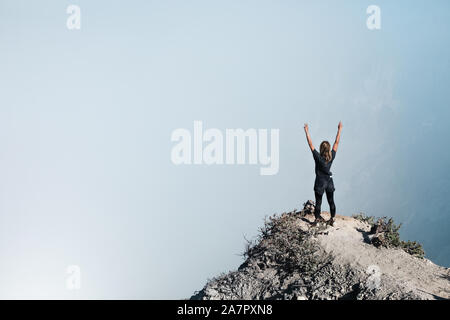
(308, 208)
(377, 240)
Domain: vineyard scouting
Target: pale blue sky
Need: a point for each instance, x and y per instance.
(86, 118)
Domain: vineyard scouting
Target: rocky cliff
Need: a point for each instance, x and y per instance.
(293, 259)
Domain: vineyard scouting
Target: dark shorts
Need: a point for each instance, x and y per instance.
(323, 184)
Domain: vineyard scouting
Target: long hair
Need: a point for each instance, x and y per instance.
(325, 151)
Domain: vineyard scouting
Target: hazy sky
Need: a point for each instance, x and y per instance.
(86, 118)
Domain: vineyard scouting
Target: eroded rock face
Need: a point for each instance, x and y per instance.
(291, 260)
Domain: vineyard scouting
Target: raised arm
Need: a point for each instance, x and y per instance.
(308, 137)
(338, 137)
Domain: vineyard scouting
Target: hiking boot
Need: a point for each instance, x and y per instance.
(331, 222)
(318, 220)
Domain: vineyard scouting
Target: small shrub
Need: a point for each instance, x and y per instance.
(362, 217)
(282, 243)
(390, 234)
(413, 248)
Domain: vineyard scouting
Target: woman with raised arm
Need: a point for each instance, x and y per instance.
(324, 181)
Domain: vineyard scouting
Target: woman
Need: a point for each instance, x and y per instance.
(324, 181)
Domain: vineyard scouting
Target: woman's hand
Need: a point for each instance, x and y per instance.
(308, 138)
(338, 137)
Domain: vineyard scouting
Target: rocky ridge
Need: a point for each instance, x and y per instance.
(292, 259)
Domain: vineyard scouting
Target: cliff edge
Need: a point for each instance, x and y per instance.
(292, 259)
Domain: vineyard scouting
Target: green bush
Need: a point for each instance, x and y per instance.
(362, 217)
(413, 248)
(391, 235)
